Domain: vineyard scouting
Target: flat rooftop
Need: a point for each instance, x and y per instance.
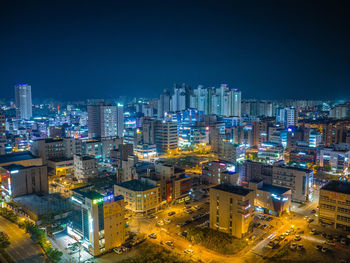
(88, 192)
(16, 157)
(136, 185)
(274, 189)
(16, 166)
(42, 205)
(337, 186)
(234, 189)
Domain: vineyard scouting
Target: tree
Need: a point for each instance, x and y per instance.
(4, 240)
(54, 254)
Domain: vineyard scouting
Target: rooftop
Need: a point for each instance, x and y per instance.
(136, 185)
(337, 186)
(274, 189)
(16, 157)
(235, 189)
(86, 191)
(16, 166)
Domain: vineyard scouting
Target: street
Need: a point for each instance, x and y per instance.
(22, 248)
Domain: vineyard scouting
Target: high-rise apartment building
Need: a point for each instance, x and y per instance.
(166, 137)
(164, 104)
(120, 120)
(23, 97)
(287, 116)
(103, 120)
(2, 127)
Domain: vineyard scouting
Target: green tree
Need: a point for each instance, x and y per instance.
(4, 240)
(54, 254)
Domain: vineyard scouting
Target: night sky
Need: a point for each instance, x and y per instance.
(91, 49)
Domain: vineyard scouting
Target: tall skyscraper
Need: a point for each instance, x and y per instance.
(120, 120)
(163, 104)
(2, 127)
(103, 120)
(23, 97)
(287, 116)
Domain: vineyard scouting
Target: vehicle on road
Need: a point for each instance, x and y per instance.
(343, 241)
(170, 244)
(310, 220)
(300, 247)
(189, 251)
(271, 244)
(330, 242)
(314, 232)
(118, 250)
(263, 226)
(324, 249)
(293, 246)
(297, 238)
(70, 245)
(153, 235)
(74, 250)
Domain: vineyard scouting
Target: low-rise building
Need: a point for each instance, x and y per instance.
(270, 152)
(299, 180)
(231, 209)
(334, 205)
(60, 167)
(230, 152)
(47, 149)
(140, 196)
(214, 172)
(270, 199)
(22, 158)
(98, 220)
(85, 167)
(18, 180)
(337, 160)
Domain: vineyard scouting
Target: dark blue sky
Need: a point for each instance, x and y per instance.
(268, 49)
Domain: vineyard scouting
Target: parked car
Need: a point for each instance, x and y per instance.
(167, 220)
(300, 247)
(170, 244)
(189, 251)
(343, 241)
(118, 250)
(310, 220)
(74, 250)
(293, 246)
(171, 213)
(153, 235)
(324, 249)
(318, 247)
(297, 238)
(70, 245)
(271, 244)
(160, 223)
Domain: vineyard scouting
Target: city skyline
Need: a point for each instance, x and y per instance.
(269, 51)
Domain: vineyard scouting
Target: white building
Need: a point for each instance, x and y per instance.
(23, 97)
(85, 167)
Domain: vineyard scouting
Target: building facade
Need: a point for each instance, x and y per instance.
(98, 220)
(334, 205)
(231, 209)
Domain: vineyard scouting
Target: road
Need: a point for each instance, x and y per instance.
(22, 248)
